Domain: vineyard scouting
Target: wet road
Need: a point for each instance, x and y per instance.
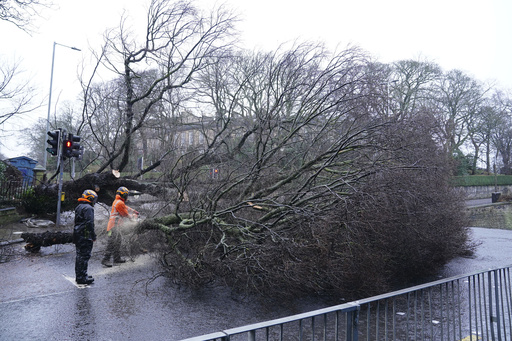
(40, 301)
(494, 250)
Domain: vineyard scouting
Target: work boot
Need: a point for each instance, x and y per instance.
(86, 281)
(120, 260)
(106, 263)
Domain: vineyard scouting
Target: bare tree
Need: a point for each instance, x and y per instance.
(502, 139)
(483, 128)
(67, 119)
(458, 99)
(177, 43)
(16, 95)
(21, 13)
(410, 86)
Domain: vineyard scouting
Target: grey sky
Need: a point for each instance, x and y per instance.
(474, 36)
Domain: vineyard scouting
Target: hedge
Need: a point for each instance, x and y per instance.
(482, 180)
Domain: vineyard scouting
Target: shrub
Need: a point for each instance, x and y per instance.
(38, 203)
(482, 180)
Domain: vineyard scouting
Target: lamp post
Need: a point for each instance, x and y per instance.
(50, 98)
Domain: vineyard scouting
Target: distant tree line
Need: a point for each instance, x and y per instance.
(143, 114)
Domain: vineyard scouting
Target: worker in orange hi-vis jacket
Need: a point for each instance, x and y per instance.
(118, 215)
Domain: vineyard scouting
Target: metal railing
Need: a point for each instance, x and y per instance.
(470, 307)
(13, 191)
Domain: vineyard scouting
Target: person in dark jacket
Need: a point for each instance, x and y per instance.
(84, 235)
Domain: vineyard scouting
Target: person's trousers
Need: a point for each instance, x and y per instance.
(113, 246)
(83, 254)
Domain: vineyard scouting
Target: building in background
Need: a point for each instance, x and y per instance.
(27, 166)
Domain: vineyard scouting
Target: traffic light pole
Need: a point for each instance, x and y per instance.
(61, 172)
(64, 146)
(59, 193)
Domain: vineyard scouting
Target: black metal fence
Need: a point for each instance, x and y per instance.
(12, 191)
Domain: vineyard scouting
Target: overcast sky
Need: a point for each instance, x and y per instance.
(470, 35)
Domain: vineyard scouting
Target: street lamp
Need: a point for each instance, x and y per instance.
(50, 98)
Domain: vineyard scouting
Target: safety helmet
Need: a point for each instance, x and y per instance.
(122, 192)
(90, 196)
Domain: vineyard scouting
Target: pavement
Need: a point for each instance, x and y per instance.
(478, 202)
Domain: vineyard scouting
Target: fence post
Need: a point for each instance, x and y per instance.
(497, 302)
(493, 318)
(352, 322)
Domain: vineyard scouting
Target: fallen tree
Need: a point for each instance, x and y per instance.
(313, 192)
(316, 193)
(36, 240)
(374, 231)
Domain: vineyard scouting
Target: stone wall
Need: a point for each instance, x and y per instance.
(8, 215)
(483, 192)
(498, 215)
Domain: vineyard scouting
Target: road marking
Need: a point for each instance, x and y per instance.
(471, 338)
(72, 280)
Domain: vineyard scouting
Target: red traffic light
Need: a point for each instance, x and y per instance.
(66, 148)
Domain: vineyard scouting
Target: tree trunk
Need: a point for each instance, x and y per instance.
(36, 240)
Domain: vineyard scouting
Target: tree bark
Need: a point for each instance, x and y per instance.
(36, 240)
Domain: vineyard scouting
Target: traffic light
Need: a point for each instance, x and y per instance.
(53, 142)
(67, 146)
(76, 149)
(71, 147)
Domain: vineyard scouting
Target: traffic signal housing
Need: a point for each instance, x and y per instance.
(71, 147)
(53, 142)
(67, 146)
(76, 149)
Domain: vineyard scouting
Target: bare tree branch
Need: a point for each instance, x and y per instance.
(21, 13)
